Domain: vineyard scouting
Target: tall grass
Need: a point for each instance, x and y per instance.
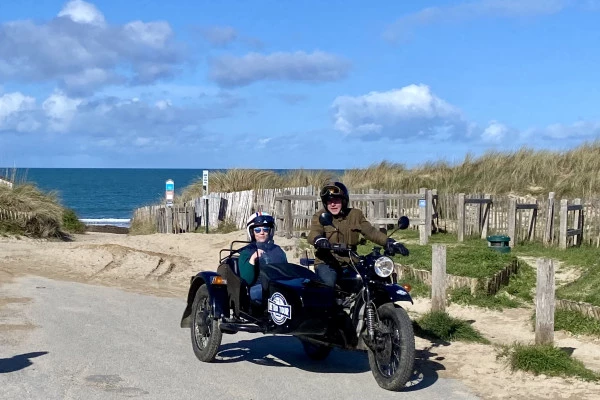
(41, 213)
(572, 173)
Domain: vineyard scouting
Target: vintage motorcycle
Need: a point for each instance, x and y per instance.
(360, 313)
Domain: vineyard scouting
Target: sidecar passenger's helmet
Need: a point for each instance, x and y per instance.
(335, 189)
(260, 219)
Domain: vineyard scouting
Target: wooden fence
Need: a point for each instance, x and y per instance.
(521, 218)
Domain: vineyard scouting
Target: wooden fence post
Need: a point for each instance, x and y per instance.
(549, 232)
(512, 221)
(438, 277)
(428, 211)
(381, 211)
(577, 215)
(485, 223)
(423, 236)
(562, 231)
(532, 222)
(169, 219)
(544, 304)
(288, 217)
(460, 213)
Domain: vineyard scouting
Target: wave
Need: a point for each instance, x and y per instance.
(121, 222)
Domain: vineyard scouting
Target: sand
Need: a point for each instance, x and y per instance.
(162, 265)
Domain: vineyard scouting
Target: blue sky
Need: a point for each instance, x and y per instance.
(311, 84)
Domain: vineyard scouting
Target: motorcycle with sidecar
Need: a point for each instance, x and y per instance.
(359, 313)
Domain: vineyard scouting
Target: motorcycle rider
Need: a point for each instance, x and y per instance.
(260, 228)
(348, 224)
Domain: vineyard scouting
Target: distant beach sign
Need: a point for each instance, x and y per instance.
(205, 180)
(170, 191)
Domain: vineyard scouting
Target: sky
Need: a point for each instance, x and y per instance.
(305, 84)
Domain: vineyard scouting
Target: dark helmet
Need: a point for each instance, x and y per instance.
(260, 219)
(335, 189)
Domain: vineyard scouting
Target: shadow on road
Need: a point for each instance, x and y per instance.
(19, 362)
(286, 351)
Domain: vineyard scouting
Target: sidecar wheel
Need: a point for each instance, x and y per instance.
(392, 363)
(315, 351)
(206, 335)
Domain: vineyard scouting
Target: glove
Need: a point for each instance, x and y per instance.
(394, 247)
(321, 242)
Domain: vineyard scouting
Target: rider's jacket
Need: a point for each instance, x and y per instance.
(273, 254)
(348, 226)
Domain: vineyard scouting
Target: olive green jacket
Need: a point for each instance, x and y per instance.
(350, 225)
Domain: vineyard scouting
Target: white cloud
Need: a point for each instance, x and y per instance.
(14, 112)
(81, 12)
(409, 112)
(495, 132)
(219, 35)
(318, 66)
(80, 52)
(471, 10)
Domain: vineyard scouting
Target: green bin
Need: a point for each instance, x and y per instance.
(499, 243)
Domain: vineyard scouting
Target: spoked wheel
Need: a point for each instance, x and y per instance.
(315, 351)
(393, 359)
(206, 335)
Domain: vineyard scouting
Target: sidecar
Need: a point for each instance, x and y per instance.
(284, 299)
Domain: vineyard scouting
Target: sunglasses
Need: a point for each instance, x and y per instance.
(260, 229)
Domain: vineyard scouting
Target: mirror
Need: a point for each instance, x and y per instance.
(403, 222)
(326, 219)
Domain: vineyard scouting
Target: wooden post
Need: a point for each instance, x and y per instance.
(532, 222)
(485, 223)
(279, 219)
(544, 304)
(549, 232)
(577, 216)
(381, 211)
(562, 231)
(460, 214)
(423, 237)
(169, 220)
(438, 277)
(289, 219)
(428, 211)
(512, 221)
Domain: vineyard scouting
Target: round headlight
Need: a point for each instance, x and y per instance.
(384, 266)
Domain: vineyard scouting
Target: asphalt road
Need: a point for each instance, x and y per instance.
(93, 342)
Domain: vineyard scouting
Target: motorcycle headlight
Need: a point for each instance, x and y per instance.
(384, 266)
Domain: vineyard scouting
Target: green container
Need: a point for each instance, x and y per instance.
(499, 243)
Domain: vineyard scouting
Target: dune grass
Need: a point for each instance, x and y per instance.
(525, 171)
(545, 359)
(440, 325)
(40, 214)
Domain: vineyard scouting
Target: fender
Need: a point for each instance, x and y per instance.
(217, 295)
(395, 292)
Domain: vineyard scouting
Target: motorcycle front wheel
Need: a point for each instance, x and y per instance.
(206, 335)
(393, 359)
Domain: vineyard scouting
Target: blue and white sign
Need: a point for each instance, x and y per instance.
(422, 202)
(170, 190)
(279, 309)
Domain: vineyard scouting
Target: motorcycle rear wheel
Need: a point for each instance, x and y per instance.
(392, 364)
(315, 351)
(206, 335)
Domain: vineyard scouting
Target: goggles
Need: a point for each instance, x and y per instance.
(331, 190)
(260, 229)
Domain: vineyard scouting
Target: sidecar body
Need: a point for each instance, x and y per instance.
(285, 298)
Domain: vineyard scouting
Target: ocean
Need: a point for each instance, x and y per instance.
(109, 196)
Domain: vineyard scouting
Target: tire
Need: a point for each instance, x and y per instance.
(392, 366)
(315, 351)
(205, 332)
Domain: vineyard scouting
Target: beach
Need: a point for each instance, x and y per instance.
(162, 264)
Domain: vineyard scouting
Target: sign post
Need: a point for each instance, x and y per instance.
(170, 192)
(205, 187)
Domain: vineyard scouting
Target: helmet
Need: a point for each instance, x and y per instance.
(260, 219)
(335, 189)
